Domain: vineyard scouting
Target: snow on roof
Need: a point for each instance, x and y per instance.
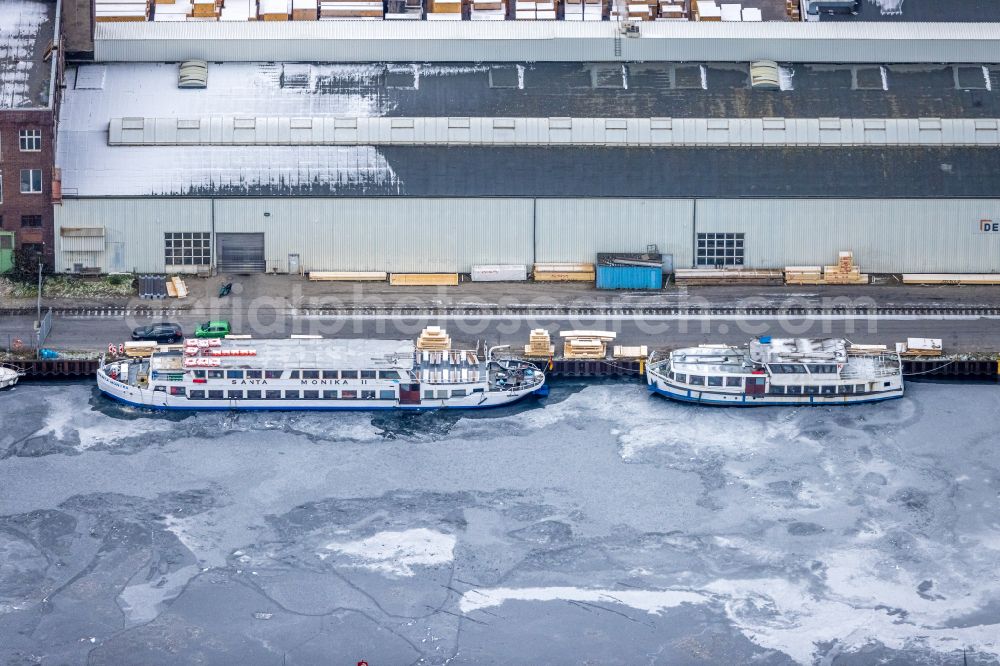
(26, 28)
(92, 168)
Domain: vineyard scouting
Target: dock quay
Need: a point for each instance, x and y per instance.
(914, 368)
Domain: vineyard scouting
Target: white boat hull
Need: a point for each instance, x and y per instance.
(706, 397)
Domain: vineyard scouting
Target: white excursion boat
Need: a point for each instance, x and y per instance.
(777, 371)
(316, 374)
(9, 374)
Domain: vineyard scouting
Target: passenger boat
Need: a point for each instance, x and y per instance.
(777, 371)
(316, 374)
(9, 374)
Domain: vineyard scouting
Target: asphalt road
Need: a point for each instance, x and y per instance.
(959, 334)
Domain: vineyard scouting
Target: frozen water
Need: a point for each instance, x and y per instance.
(600, 526)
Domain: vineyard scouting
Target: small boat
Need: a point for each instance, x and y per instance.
(9, 374)
(777, 371)
(316, 374)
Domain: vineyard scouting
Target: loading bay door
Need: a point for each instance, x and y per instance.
(240, 253)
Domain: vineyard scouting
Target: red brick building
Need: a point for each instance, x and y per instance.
(30, 69)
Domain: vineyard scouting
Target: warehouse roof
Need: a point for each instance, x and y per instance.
(26, 30)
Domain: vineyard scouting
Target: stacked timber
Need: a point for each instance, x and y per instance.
(404, 9)
(803, 275)
(727, 276)
(707, 10)
(630, 353)
(305, 10)
(793, 10)
(586, 344)
(920, 347)
(238, 10)
(121, 11)
(176, 287)
(564, 272)
(488, 10)
(347, 276)
(951, 278)
(205, 10)
(444, 10)
(179, 10)
(539, 344)
(434, 338)
(583, 10)
(139, 349)
(332, 10)
(423, 279)
(865, 350)
(845, 271)
(274, 10)
(671, 10)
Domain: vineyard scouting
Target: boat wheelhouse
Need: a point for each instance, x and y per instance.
(777, 371)
(316, 374)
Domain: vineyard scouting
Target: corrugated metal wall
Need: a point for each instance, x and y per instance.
(577, 229)
(887, 236)
(429, 235)
(469, 41)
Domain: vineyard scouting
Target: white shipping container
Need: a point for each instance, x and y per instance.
(499, 273)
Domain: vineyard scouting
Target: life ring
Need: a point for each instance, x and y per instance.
(113, 373)
(18, 344)
(112, 349)
(121, 349)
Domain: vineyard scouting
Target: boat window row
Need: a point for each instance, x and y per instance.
(800, 369)
(702, 380)
(296, 374)
(845, 389)
(275, 394)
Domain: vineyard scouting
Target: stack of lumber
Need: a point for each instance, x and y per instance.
(205, 10)
(583, 10)
(724, 276)
(854, 348)
(707, 10)
(920, 347)
(586, 344)
(305, 10)
(444, 10)
(176, 287)
(274, 10)
(793, 10)
(134, 349)
(630, 353)
(845, 271)
(404, 9)
(803, 275)
(238, 10)
(564, 272)
(434, 338)
(347, 276)
(489, 10)
(120, 11)
(179, 10)
(951, 278)
(671, 10)
(423, 279)
(539, 344)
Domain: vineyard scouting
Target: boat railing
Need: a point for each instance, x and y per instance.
(884, 364)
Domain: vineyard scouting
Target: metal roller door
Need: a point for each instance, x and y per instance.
(240, 253)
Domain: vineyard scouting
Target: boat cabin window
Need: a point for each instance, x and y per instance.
(199, 374)
(778, 390)
(272, 374)
(234, 374)
(812, 390)
(236, 395)
(253, 395)
(696, 380)
(442, 394)
(294, 374)
(216, 374)
(349, 395)
(196, 394)
(329, 395)
(428, 395)
(681, 377)
(734, 381)
(848, 388)
(161, 389)
(715, 381)
(793, 390)
(176, 390)
(828, 390)
(388, 374)
(310, 395)
(826, 369)
(292, 395)
(331, 374)
(272, 395)
(368, 395)
(391, 395)
(367, 374)
(786, 368)
(310, 374)
(348, 374)
(859, 388)
(215, 395)
(254, 374)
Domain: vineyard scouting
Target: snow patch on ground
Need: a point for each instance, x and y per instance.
(396, 553)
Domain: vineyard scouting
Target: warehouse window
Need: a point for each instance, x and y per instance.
(30, 141)
(31, 221)
(31, 181)
(720, 249)
(189, 248)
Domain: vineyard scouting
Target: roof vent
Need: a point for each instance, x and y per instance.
(764, 75)
(193, 74)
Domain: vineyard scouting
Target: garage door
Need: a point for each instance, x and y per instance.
(240, 253)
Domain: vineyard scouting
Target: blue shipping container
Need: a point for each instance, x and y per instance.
(629, 277)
